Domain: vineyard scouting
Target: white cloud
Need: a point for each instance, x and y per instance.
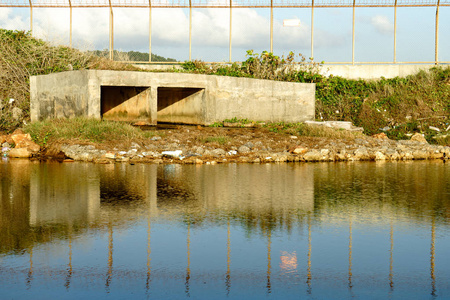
(382, 24)
(170, 28)
(12, 22)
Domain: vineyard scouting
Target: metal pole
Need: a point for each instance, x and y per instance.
(271, 26)
(70, 34)
(436, 41)
(111, 32)
(190, 30)
(149, 30)
(353, 34)
(395, 32)
(31, 17)
(231, 27)
(312, 29)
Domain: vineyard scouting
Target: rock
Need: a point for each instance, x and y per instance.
(198, 161)
(20, 137)
(218, 152)
(417, 137)
(110, 155)
(243, 149)
(249, 145)
(379, 156)
(135, 145)
(23, 140)
(312, 155)
(19, 153)
(155, 138)
(299, 150)
(380, 136)
(361, 153)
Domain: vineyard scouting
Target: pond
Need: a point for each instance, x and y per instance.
(239, 231)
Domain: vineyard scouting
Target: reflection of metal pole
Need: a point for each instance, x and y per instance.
(188, 269)
(391, 259)
(269, 260)
(353, 34)
(395, 32)
(30, 270)
(312, 29)
(69, 268)
(70, 33)
(350, 256)
(432, 257)
(271, 26)
(228, 277)
(31, 17)
(110, 257)
(436, 41)
(308, 280)
(149, 251)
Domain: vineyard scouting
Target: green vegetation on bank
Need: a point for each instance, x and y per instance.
(398, 106)
(84, 130)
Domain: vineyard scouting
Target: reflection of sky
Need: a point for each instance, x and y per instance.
(349, 239)
(210, 31)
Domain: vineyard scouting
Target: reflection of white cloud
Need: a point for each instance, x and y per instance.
(382, 24)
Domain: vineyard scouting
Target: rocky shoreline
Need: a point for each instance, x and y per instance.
(169, 149)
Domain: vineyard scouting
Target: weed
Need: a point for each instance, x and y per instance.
(84, 130)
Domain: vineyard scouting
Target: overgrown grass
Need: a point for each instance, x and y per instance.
(399, 106)
(303, 129)
(84, 130)
(22, 56)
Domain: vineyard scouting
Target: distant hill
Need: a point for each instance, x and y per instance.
(132, 56)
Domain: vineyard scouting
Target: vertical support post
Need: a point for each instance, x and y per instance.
(190, 30)
(111, 32)
(31, 17)
(271, 26)
(149, 30)
(312, 29)
(353, 34)
(395, 32)
(70, 30)
(231, 27)
(436, 38)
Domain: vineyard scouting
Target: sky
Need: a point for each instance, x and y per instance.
(374, 31)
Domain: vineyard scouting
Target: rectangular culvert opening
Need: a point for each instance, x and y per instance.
(180, 105)
(125, 103)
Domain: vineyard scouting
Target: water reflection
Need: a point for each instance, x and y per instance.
(277, 228)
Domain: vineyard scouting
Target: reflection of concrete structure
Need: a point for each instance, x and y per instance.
(169, 97)
(248, 188)
(64, 194)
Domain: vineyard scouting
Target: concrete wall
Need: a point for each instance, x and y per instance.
(170, 97)
(372, 71)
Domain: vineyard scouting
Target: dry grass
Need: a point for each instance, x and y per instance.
(85, 130)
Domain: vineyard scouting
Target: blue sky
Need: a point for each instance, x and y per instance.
(251, 29)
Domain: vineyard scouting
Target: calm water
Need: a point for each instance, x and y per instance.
(319, 231)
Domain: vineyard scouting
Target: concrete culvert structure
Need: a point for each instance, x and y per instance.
(168, 97)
